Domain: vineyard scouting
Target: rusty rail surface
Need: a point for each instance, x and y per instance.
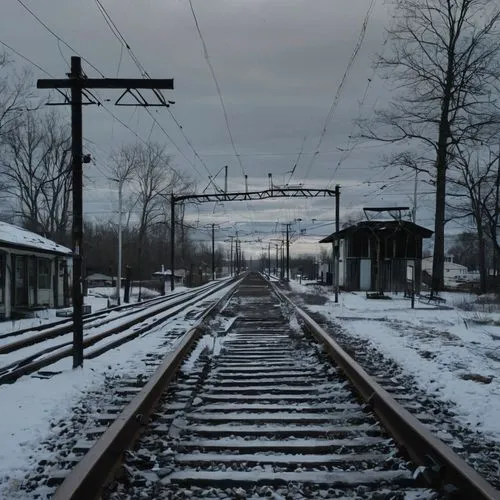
(89, 476)
(441, 464)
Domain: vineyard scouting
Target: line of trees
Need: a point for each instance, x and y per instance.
(443, 69)
(36, 184)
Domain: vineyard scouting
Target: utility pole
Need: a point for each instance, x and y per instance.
(282, 270)
(337, 229)
(172, 242)
(119, 273)
(77, 82)
(231, 257)
(238, 254)
(225, 179)
(269, 257)
(287, 252)
(415, 197)
(277, 259)
(213, 251)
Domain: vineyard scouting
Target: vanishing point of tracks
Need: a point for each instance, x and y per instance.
(263, 410)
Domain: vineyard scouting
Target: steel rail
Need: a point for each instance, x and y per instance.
(26, 366)
(61, 327)
(86, 480)
(441, 464)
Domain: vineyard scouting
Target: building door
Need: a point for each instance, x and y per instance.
(365, 274)
(21, 281)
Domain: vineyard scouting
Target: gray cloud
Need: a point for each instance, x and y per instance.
(278, 65)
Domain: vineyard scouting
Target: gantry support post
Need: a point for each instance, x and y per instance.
(337, 253)
(172, 241)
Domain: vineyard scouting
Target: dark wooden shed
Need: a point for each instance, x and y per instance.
(375, 254)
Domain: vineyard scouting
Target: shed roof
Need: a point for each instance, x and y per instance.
(380, 226)
(18, 237)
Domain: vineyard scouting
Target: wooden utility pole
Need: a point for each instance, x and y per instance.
(287, 252)
(213, 251)
(77, 83)
(337, 253)
(172, 242)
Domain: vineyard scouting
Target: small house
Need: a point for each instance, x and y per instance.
(379, 254)
(35, 272)
(453, 273)
(100, 280)
(166, 275)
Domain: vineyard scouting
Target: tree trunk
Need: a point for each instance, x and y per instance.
(438, 257)
(441, 165)
(483, 273)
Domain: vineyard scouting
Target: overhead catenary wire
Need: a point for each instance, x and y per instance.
(219, 92)
(216, 82)
(99, 101)
(123, 43)
(336, 98)
(58, 38)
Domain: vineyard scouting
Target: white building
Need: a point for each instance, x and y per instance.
(453, 271)
(35, 272)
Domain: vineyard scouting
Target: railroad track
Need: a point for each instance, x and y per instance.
(260, 411)
(38, 351)
(60, 327)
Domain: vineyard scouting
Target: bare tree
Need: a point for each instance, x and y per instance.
(36, 172)
(491, 209)
(471, 189)
(444, 63)
(124, 165)
(15, 94)
(153, 181)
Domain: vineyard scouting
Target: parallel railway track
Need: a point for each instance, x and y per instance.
(97, 328)
(262, 411)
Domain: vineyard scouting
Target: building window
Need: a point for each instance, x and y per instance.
(44, 273)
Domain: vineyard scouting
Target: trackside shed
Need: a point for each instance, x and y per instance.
(375, 255)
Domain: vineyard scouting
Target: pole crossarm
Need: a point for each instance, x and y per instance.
(257, 195)
(78, 83)
(106, 83)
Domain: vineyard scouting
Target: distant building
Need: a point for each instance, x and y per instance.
(166, 275)
(35, 272)
(99, 280)
(376, 255)
(454, 273)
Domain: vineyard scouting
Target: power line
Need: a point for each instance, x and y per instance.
(61, 40)
(336, 98)
(26, 58)
(123, 42)
(57, 36)
(212, 71)
(224, 110)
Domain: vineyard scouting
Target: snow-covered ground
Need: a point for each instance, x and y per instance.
(31, 406)
(452, 353)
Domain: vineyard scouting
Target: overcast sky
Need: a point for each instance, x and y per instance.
(278, 64)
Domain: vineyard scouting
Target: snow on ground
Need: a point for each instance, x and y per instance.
(30, 406)
(452, 353)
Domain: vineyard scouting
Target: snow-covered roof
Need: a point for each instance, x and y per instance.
(15, 236)
(99, 277)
